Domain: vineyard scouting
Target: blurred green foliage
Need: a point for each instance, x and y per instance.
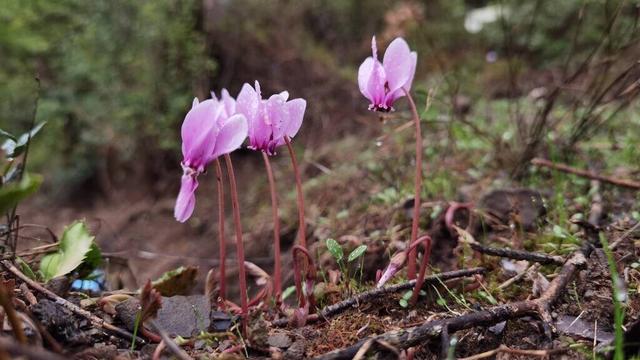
(118, 75)
(115, 73)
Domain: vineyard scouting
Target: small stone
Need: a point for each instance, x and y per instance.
(296, 351)
(279, 340)
(220, 321)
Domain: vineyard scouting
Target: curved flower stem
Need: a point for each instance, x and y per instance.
(302, 230)
(310, 276)
(221, 238)
(426, 245)
(239, 245)
(276, 230)
(411, 265)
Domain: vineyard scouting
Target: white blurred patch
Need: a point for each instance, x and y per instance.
(476, 19)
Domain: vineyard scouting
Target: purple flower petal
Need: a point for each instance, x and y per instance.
(228, 102)
(231, 135)
(248, 104)
(397, 64)
(186, 201)
(199, 132)
(295, 113)
(364, 73)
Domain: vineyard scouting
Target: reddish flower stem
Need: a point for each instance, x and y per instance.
(276, 230)
(239, 245)
(222, 242)
(310, 275)
(426, 245)
(302, 228)
(411, 265)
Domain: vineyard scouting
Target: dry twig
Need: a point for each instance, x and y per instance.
(518, 254)
(95, 320)
(631, 184)
(508, 350)
(541, 306)
(363, 297)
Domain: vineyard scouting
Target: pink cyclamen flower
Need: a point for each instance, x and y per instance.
(384, 83)
(209, 130)
(269, 120)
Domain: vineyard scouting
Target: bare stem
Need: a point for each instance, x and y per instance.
(239, 245)
(302, 230)
(276, 229)
(411, 265)
(426, 244)
(222, 241)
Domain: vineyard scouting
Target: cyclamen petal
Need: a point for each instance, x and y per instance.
(364, 73)
(208, 131)
(383, 83)
(397, 64)
(295, 108)
(186, 201)
(269, 120)
(231, 135)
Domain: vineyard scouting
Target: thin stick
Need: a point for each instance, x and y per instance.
(95, 320)
(367, 296)
(171, 345)
(411, 264)
(276, 229)
(631, 184)
(541, 306)
(302, 226)
(508, 350)
(16, 323)
(158, 351)
(239, 245)
(222, 241)
(518, 254)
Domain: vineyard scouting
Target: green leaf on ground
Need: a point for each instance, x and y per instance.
(75, 245)
(357, 252)
(335, 249)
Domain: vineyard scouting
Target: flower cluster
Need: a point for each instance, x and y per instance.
(216, 127)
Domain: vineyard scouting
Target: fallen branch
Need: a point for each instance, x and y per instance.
(508, 350)
(631, 184)
(339, 307)
(95, 320)
(414, 336)
(17, 350)
(518, 254)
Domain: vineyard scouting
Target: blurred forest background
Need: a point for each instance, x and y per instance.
(117, 76)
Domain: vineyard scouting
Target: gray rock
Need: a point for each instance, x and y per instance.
(279, 340)
(185, 316)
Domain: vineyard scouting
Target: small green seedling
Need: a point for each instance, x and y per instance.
(338, 254)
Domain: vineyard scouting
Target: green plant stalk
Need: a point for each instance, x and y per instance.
(136, 325)
(618, 311)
